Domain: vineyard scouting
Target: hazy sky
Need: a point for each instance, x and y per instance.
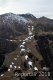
(37, 7)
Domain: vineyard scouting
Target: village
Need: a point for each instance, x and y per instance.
(25, 63)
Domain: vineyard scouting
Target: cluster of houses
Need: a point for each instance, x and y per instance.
(23, 49)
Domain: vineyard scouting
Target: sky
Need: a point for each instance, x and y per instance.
(38, 8)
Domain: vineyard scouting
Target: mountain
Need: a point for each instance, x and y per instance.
(38, 47)
(45, 19)
(24, 18)
(12, 25)
(44, 24)
(29, 17)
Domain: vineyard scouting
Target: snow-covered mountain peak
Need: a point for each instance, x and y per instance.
(16, 17)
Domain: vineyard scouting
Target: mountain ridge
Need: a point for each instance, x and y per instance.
(12, 25)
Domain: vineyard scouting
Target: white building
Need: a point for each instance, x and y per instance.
(30, 63)
(2, 75)
(12, 63)
(23, 40)
(15, 58)
(15, 67)
(30, 33)
(10, 66)
(23, 43)
(8, 69)
(26, 39)
(22, 46)
(45, 68)
(26, 57)
(32, 28)
(19, 67)
(35, 68)
(23, 50)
